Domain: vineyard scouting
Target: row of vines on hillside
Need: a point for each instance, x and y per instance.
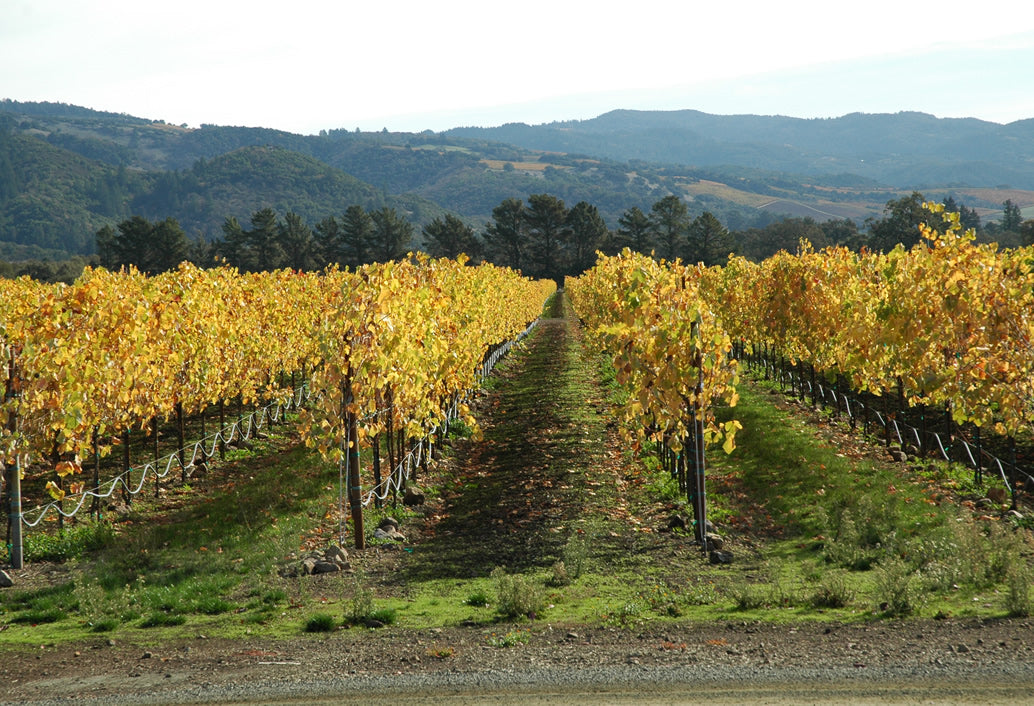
(671, 357)
(384, 346)
(947, 324)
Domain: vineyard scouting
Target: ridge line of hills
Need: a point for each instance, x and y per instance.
(66, 171)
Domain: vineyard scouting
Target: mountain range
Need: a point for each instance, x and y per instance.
(66, 171)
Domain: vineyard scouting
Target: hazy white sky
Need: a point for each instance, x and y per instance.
(412, 65)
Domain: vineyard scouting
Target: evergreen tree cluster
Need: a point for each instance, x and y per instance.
(541, 237)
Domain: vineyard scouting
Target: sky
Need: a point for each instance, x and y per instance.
(409, 65)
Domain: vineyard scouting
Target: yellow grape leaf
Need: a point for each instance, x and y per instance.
(67, 468)
(54, 491)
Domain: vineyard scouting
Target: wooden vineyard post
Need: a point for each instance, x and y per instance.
(351, 444)
(377, 480)
(157, 478)
(126, 495)
(15, 491)
(699, 499)
(181, 441)
(699, 483)
(95, 506)
(355, 503)
(14, 482)
(222, 430)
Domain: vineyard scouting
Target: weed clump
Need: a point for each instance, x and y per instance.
(897, 591)
(1017, 594)
(517, 596)
(321, 622)
(834, 591)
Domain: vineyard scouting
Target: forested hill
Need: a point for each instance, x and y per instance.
(67, 171)
(904, 150)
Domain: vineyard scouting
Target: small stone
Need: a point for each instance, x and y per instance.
(677, 522)
(962, 649)
(5, 579)
(388, 522)
(336, 555)
(325, 567)
(147, 655)
(715, 541)
(389, 533)
(414, 496)
(719, 557)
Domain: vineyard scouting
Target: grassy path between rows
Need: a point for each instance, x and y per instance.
(516, 496)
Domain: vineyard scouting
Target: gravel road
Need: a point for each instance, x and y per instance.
(908, 662)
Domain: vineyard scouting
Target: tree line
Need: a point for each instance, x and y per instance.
(540, 236)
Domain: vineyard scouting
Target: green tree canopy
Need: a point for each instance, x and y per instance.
(708, 240)
(588, 233)
(635, 232)
(548, 234)
(900, 224)
(357, 236)
(1012, 217)
(505, 236)
(670, 217)
(150, 247)
(449, 236)
(391, 235)
(297, 243)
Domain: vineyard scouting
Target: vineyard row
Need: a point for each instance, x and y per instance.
(386, 347)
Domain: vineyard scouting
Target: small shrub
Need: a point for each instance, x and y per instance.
(91, 600)
(663, 599)
(783, 591)
(274, 597)
(749, 596)
(1017, 595)
(160, 619)
(833, 591)
(897, 591)
(104, 625)
(517, 596)
(560, 576)
(576, 556)
(702, 594)
(510, 639)
(478, 599)
(386, 616)
(321, 622)
(359, 605)
(999, 559)
(862, 531)
(440, 652)
(213, 605)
